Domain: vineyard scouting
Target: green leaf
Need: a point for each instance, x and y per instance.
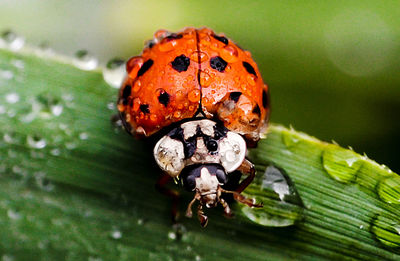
(74, 186)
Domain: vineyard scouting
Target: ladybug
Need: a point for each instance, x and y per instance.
(203, 100)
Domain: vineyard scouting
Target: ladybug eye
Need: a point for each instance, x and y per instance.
(212, 145)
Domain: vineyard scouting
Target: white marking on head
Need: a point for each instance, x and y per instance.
(206, 183)
(169, 155)
(232, 150)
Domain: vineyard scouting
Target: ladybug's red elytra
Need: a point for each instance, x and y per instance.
(206, 95)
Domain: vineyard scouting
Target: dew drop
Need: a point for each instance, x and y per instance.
(178, 232)
(389, 189)
(251, 79)
(116, 234)
(290, 138)
(194, 56)
(13, 214)
(70, 145)
(12, 97)
(18, 63)
(11, 40)
(167, 45)
(9, 137)
(83, 136)
(36, 142)
(194, 95)
(47, 105)
(229, 53)
(133, 66)
(278, 192)
(115, 72)
(341, 164)
(57, 109)
(171, 235)
(55, 152)
(6, 74)
(205, 79)
(85, 61)
(386, 230)
(111, 106)
(42, 182)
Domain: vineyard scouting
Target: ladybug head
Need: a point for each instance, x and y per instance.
(202, 153)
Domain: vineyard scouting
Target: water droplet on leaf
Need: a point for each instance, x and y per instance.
(36, 142)
(115, 72)
(341, 164)
(85, 61)
(12, 97)
(386, 229)
(282, 203)
(389, 189)
(11, 40)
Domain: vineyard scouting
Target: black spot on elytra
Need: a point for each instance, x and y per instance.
(218, 63)
(265, 99)
(181, 63)
(144, 108)
(149, 44)
(257, 110)
(249, 68)
(125, 94)
(221, 38)
(234, 96)
(145, 67)
(163, 98)
(173, 36)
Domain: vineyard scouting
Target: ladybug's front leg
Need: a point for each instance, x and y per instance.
(173, 194)
(247, 168)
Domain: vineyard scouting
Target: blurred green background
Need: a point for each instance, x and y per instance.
(332, 66)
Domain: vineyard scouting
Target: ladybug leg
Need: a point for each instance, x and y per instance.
(227, 209)
(202, 218)
(189, 212)
(173, 194)
(247, 168)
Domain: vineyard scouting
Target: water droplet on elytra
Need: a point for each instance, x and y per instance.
(205, 79)
(11, 41)
(229, 53)
(85, 61)
(36, 142)
(341, 164)
(115, 72)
